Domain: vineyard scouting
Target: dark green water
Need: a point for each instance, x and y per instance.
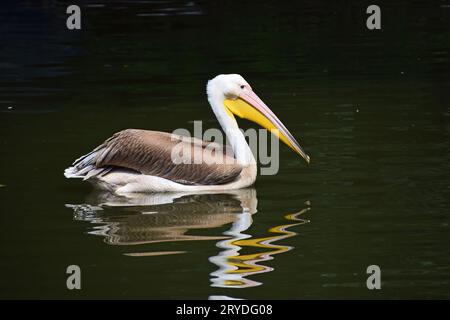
(372, 109)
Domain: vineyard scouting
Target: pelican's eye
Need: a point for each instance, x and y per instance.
(242, 87)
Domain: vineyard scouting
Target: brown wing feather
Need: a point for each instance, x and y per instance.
(150, 152)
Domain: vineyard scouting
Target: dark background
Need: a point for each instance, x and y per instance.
(371, 108)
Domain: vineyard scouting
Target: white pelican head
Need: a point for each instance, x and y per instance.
(239, 99)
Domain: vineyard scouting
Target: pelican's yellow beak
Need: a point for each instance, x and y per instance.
(249, 106)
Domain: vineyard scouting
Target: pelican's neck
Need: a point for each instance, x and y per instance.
(235, 136)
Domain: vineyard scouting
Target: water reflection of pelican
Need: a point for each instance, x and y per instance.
(162, 217)
(167, 217)
(235, 267)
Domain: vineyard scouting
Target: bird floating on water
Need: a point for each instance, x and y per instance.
(140, 161)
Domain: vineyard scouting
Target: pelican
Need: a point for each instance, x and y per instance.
(141, 161)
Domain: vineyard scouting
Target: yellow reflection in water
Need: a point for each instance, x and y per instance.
(140, 220)
(235, 267)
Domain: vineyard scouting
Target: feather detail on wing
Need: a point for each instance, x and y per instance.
(177, 158)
